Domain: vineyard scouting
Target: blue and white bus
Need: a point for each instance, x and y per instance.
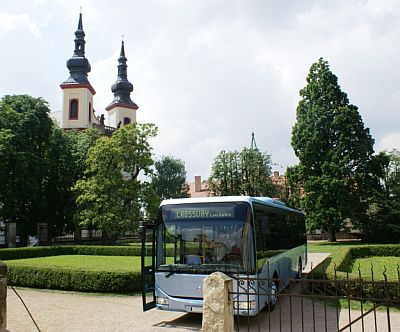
(248, 238)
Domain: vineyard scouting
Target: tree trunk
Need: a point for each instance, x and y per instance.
(109, 239)
(23, 235)
(332, 234)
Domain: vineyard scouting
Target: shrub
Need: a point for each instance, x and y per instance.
(64, 279)
(73, 280)
(349, 284)
(21, 253)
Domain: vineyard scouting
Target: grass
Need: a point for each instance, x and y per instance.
(82, 263)
(338, 251)
(356, 305)
(378, 264)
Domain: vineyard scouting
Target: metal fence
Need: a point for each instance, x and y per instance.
(3, 236)
(343, 302)
(88, 235)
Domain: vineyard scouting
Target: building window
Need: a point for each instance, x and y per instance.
(73, 109)
(90, 112)
(127, 121)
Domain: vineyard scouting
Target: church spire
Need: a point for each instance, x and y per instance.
(253, 144)
(78, 65)
(122, 88)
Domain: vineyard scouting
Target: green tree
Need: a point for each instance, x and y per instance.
(109, 196)
(293, 187)
(82, 141)
(335, 153)
(25, 130)
(60, 200)
(383, 215)
(169, 180)
(242, 173)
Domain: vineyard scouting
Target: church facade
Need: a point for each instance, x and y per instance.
(78, 93)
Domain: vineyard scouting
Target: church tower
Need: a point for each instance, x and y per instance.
(77, 91)
(122, 109)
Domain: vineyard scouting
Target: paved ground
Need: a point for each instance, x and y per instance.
(64, 311)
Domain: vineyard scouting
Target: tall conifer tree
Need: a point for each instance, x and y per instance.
(335, 152)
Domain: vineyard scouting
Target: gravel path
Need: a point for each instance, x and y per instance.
(65, 311)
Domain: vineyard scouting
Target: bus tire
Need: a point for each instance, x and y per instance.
(299, 269)
(273, 296)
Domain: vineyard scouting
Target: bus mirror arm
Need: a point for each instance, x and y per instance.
(141, 229)
(173, 271)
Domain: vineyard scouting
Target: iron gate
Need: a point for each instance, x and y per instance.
(341, 303)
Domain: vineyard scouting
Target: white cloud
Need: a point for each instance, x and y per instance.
(207, 72)
(389, 142)
(9, 22)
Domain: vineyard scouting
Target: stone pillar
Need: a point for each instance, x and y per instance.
(218, 303)
(11, 235)
(197, 183)
(3, 296)
(78, 234)
(43, 234)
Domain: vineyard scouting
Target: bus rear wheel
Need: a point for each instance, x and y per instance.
(273, 294)
(299, 269)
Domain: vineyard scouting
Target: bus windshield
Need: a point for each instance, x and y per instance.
(203, 238)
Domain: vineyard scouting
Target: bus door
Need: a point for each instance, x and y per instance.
(147, 233)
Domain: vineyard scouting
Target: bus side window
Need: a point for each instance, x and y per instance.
(259, 235)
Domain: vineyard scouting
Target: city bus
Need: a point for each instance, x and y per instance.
(247, 238)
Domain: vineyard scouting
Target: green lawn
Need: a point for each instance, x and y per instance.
(82, 262)
(379, 264)
(337, 251)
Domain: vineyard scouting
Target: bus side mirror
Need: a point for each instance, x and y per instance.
(141, 230)
(143, 225)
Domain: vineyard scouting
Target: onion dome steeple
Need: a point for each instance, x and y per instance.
(78, 65)
(122, 88)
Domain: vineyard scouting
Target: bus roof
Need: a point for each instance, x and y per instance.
(268, 201)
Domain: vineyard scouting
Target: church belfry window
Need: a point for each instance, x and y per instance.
(73, 109)
(127, 121)
(90, 112)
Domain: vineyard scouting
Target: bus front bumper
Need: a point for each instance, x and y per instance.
(169, 303)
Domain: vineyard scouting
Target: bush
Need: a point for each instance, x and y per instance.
(349, 284)
(21, 253)
(64, 279)
(72, 280)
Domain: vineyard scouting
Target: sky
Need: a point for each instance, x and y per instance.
(210, 72)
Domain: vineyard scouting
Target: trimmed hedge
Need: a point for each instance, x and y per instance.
(343, 261)
(21, 253)
(73, 280)
(349, 285)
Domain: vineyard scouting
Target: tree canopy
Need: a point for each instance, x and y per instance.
(25, 133)
(242, 173)
(110, 194)
(169, 179)
(335, 151)
(382, 223)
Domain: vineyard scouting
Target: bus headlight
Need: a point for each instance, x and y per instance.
(162, 300)
(246, 305)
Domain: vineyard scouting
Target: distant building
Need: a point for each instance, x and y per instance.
(78, 93)
(198, 188)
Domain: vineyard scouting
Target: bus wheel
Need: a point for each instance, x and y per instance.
(273, 295)
(299, 269)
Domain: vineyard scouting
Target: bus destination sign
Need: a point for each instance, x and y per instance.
(200, 213)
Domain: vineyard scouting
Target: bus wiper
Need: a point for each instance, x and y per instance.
(173, 271)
